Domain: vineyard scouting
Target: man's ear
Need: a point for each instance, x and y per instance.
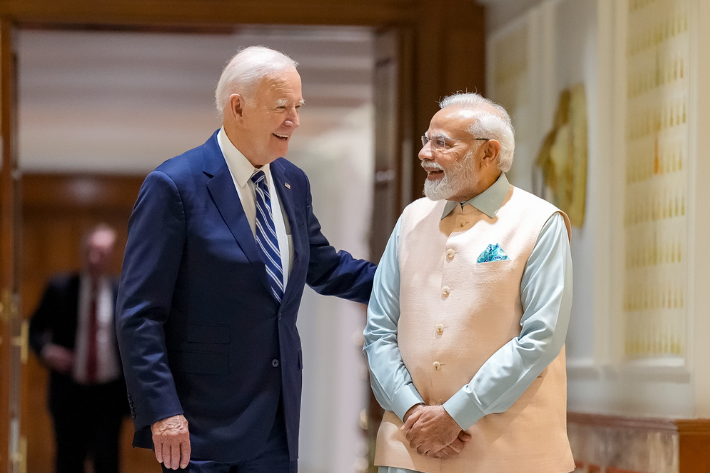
(235, 106)
(491, 151)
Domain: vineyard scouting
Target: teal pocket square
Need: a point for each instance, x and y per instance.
(492, 253)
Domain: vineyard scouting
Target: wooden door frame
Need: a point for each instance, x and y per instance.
(9, 245)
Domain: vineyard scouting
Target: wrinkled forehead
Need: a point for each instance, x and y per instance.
(451, 122)
(456, 119)
(280, 86)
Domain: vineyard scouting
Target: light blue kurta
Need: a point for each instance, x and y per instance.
(546, 296)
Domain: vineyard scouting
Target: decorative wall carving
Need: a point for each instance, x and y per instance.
(657, 137)
(563, 155)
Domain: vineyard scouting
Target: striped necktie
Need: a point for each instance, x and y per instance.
(265, 235)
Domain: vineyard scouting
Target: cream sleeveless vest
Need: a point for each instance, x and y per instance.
(455, 314)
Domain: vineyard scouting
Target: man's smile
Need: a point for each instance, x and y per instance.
(433, 174)
(433, 171)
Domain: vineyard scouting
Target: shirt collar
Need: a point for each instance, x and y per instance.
(488, 201)
(238, 164)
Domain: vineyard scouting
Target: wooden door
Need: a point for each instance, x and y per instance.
(57, 209)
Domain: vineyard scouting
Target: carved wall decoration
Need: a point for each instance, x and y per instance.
(657, 138)
(563, 155)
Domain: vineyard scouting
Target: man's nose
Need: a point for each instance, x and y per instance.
(425, 152)
(293, 120)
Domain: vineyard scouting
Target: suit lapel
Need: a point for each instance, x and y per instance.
(225, 197)
(278, 174)
(224, 194)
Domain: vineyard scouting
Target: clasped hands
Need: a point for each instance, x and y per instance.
(432, 432)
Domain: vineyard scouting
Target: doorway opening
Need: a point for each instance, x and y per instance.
(98, 110)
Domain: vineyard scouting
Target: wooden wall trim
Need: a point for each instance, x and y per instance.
(636, 423)
(304, 12)
(89, 191)
(656, 424)
(693, 426)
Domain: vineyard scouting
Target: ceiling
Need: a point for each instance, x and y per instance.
(123, 102)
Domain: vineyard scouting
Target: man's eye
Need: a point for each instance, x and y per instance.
(440, 142)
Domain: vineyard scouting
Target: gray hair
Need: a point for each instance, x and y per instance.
(243, 72)
(490, 121)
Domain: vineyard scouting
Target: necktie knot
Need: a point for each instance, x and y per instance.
(258, 177)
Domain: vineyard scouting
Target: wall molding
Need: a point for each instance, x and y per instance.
(45, 191)
(656, 424)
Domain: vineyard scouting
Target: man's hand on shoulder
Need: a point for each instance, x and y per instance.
(171, 439)
(431, 429)
(59, 358)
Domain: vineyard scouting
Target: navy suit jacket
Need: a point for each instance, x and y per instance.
(199, 330)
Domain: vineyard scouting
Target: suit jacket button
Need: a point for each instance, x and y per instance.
(275, 363)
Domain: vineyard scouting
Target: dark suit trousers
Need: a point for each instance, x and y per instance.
(87, 422)
(273, 458)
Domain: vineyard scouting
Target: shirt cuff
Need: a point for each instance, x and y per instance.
(463, 410)
(404, 399)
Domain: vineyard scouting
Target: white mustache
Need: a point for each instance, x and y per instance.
(432, 166)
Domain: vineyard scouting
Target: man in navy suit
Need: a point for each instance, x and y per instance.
(221, 243)
(72, 333)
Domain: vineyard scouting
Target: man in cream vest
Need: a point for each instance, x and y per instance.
(469, 312)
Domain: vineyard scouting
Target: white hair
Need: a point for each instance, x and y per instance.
(490, 121)
(243, 72)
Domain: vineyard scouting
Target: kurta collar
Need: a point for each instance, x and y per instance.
(488, 201)
(238, 164)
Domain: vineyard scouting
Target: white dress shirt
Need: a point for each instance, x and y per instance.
(107, 366)
(242, 170)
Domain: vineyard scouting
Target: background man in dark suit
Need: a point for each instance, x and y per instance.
(72, 332)
(221, 243)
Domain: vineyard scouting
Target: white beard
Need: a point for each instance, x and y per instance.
(456, 180)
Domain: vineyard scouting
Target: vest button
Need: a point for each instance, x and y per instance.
(437, 365)
(275, 363)
(445, 291)
(439, 328)
(450, 253)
